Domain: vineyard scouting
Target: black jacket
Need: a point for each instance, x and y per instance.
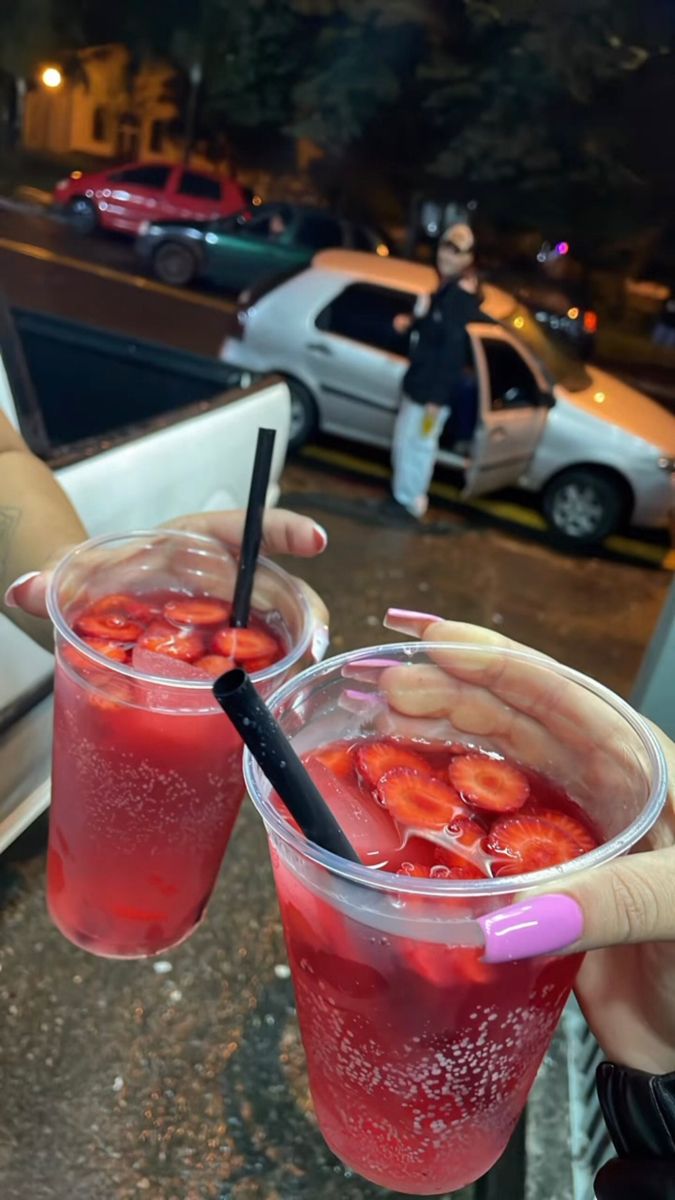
(439, 346)
(639, 1111)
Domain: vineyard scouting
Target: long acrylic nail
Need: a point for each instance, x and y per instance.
(320, 536)
(13, 589)
(407, 620)
(541, 925)
(320, 642)
(368, 670)
(361, 703)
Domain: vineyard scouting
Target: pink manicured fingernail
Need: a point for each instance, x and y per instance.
(12, 590)
(367, 669)
(321, 536)
(320, 642)
(406, 620)
(361, 702)
(541, 925)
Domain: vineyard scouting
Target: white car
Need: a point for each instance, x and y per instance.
(599, 452)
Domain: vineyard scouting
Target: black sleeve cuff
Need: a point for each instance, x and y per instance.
(639, 1111)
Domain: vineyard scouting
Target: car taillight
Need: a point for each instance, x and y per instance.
(590, 321)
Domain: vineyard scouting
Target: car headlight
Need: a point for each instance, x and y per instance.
(666, 463)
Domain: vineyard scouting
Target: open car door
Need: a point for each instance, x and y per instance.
(514, 402)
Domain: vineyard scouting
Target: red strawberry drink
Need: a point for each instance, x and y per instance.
(146, 776)
(421, 1054)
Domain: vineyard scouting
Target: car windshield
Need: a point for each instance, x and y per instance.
(560, 366)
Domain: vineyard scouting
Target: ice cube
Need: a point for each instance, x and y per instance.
(368, 827)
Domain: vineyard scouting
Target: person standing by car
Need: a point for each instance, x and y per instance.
(439, 356)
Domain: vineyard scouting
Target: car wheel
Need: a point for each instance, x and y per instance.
(174, 264)
(584, 506)
(82, 214)
(304, 415)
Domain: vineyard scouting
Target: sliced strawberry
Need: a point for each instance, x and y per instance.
(259, 664)
(192, 611)
(414, 870)
(575, 829)
(162, 638)
(419, 801)
(528, 843)
(339, 759)
(244, 644)
(374, 760)
(110, 649)
(458, 866)
(124, 605)
(111, 626)
(215, 664)
(489, 783)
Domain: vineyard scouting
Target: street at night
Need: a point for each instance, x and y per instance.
(421, 255)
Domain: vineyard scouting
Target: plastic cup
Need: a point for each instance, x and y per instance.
(420, 1055)
(146, 773)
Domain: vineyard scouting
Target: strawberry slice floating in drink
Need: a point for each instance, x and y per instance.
(162, 638)
(532, 843)
(115, 626)
(190, 610)
(374, 760)
(245, 645)
(489, 783)
(419, 801)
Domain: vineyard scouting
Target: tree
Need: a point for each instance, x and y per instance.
(523, 129)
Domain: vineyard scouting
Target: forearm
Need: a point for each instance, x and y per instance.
(36, 521)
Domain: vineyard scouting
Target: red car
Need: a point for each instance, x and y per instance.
(122, 198)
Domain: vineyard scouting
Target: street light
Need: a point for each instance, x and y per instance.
(51, 77)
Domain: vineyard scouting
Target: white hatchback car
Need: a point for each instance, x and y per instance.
(600, 453)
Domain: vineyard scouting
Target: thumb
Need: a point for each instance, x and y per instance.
(629, 900)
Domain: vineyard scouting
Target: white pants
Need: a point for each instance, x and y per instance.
(413, 454)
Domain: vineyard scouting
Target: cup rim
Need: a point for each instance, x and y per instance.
(387, 881)
(196, 685)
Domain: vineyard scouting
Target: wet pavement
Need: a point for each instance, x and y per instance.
(47, 267)
(184, 1079)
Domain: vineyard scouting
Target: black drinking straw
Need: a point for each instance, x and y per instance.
(250, 545)
(279, 763)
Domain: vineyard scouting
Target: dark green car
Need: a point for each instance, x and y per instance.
(235, 252)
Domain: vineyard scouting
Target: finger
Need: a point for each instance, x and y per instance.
(29, 593)
(427, 691)
(629, 901)
(572, 714)
(283, 532)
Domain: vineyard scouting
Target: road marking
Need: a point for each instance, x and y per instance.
(138, 281)
(504, 510)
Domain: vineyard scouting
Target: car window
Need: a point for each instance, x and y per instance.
(318, 232)
(559, 365)
(365, 313)
(201, 186)
(512, 384)
(271, 222)
(150, 176)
